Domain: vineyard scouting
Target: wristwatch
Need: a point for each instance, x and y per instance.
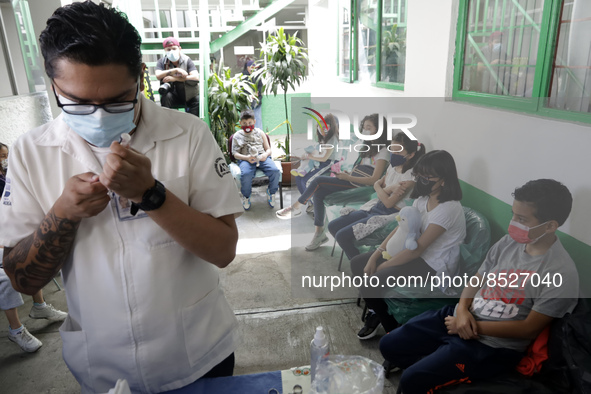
(152, 199)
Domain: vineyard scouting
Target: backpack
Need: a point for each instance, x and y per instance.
(569, 350)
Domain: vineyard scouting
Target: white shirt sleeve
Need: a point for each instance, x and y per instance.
(212, 188)
(447, 215)
(383, 154)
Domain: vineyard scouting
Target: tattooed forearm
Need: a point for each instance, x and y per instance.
(35, 260)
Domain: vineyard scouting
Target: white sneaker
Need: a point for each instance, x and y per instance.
(270, 199)
(26, 341)
(288, 213)
(49, 313)
(318, 240)
(246, 203)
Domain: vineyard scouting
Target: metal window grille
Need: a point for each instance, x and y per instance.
(570, 87)
(393, 38)
(501, 46)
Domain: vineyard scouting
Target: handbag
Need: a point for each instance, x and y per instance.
(361, 171)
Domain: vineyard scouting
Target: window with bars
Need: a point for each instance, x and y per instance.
(531, 55)
(372, 42)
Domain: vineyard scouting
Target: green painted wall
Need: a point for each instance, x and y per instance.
(273, 112)
(499, 214)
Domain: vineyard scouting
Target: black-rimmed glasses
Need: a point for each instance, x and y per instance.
(87, 109)
(424, 179)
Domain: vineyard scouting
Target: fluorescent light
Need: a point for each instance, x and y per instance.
(301, 22)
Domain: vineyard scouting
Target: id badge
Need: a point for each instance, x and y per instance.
(123, 206)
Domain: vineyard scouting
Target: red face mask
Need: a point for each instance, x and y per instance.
(520, 232)
(248, 129)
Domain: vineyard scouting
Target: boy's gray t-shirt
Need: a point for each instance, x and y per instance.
(515, 300)
(243, 142)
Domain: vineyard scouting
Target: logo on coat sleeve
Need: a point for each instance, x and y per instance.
(221, 167)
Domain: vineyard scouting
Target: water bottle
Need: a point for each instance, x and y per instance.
(318, 349)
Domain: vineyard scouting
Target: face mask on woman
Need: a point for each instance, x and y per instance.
(397, 160)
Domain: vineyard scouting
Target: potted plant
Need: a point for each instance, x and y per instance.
(286, 65)
(228, 95)
(394, 52)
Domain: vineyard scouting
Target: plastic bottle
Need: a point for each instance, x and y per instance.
(318, 349)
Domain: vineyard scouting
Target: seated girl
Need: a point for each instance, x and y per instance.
(391, 189)
(438, 194)
(369, 167)
(326, 135)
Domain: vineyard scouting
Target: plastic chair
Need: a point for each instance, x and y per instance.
(259, 174)
(411, 302)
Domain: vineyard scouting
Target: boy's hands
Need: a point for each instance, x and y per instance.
(463, 324)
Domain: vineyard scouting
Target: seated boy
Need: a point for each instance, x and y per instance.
(251, 148)
(529, 280)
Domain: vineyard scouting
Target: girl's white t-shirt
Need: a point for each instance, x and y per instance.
(443, 255)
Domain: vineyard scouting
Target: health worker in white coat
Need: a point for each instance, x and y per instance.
(139, 231)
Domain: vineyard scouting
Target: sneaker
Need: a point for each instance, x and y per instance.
(310, 207)
(389, 368)
(48, 312)
(26, 341)
(246, 203)
(270, 199)
(295, 173)
(318, 240)
(288, 213)
(372, 323)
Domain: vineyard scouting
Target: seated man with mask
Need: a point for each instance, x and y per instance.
(179, 78)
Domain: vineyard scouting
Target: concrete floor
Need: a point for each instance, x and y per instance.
(278, 318)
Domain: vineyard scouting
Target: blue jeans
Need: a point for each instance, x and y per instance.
(431, 357)
(319, 188)
(302, 180)
(248, 170)
(341, 228)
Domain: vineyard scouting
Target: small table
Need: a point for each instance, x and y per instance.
(259, 383)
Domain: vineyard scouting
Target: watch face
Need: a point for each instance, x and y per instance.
(154, 197)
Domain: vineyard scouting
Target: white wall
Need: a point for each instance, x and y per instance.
(22, 113)
(16, 55)
(495, 150)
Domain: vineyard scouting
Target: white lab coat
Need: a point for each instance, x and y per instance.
(140, 306)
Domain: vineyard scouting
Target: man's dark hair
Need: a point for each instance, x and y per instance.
(90, 34)
(440, 164)
(550, 199)
(247, 114)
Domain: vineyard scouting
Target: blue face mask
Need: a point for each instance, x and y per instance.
(397, 160)
(100, 128)
(497, 47)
